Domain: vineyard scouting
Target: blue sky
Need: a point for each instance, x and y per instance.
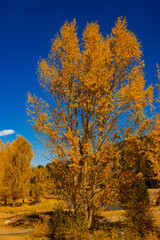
(27, 28)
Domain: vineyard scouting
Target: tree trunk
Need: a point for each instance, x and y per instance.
(90, 215)
(5, 200)
(14, 202)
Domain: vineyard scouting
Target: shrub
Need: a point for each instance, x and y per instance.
(60, 225)
(139, 220)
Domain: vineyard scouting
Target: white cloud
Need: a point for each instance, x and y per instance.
(6, 132)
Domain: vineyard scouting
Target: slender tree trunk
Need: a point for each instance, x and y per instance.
(5, 200)
(69, 209)
(14, 202)
(85, 190)
(90, 215)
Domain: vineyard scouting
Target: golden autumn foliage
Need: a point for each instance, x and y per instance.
(16, 166)
(5, 189)
(153, 152)
(22, 156)
(98, 95)
(2, 169)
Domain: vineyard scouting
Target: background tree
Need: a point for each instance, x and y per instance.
(6, 180)
(140, 161)
(2, 161)
(2, 172)
(132, 184)
(99, 95)
(51, 184)
(41, 182)
(15, 169)
(20, 170)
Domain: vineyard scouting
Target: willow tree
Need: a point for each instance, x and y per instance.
(98, 97)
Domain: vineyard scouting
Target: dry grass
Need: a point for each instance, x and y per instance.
(153, 194)
(156, 214)
(44, 205)
(21, 237)
(113, 215)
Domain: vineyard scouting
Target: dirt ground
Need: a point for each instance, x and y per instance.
(13, 234)
(9, 233)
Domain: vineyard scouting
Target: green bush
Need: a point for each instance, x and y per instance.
(60, 226)
(139, 220)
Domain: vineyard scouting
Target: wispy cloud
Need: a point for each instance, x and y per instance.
(6, 132)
